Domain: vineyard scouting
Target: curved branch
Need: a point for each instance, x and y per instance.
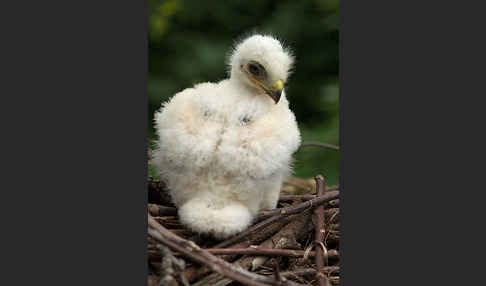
(320, 229)
(319, 144)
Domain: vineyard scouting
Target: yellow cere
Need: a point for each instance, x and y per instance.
(278, 85)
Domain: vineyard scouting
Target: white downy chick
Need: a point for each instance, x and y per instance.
(225, 148)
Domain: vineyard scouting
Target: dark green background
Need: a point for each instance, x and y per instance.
(189, 42)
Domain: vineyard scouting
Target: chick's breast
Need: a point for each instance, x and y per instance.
(261, 148)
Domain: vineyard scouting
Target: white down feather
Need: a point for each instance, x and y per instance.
(225, 148)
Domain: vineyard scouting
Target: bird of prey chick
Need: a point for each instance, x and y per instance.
(225, 148)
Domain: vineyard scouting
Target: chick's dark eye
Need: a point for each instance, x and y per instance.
(254, 69)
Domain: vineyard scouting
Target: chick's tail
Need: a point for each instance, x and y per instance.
(201, 217)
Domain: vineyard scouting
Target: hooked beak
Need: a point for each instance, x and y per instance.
(276, 90)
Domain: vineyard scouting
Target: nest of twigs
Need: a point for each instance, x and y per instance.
(295, 244)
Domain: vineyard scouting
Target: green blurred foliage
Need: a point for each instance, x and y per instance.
(189, 42)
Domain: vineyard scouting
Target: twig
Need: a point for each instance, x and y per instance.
(194, 252)
(319, 144)
(291, 198)
(157, 210)
(259, 251)
(319, 233)
(276, 272)
(181, 232)
(168, 222)
(304, 197)
(317, 201)
(332, 254)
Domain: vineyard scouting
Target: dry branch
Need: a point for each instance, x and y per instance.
(279, 244)
(157, 210)
(319, 233)
(332, 254)
(304, 197)
(260, 251)
(194, 252)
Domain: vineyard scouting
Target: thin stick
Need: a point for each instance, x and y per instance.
(319, 144)
(276, 272)
(317, 201)
(291, 198)
(287, 198)
(260, 251)
(194, 252)
(158, 210)
(319, 233)
(332, 254)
